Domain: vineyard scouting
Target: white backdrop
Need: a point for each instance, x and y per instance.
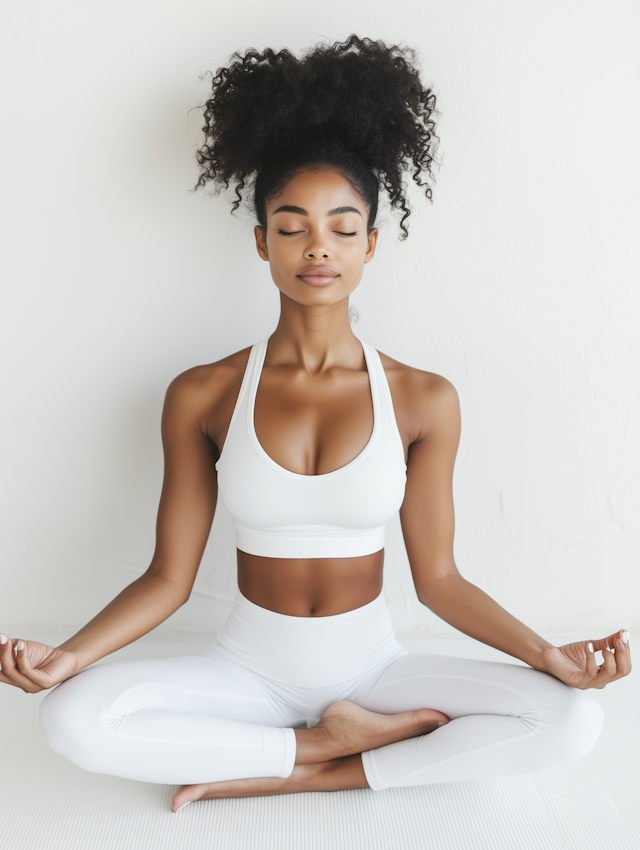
(520, 284)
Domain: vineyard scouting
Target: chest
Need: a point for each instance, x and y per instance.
(312, 424)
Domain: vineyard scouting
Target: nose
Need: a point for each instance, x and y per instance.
(317, 251)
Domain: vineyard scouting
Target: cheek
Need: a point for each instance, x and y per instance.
(355, 250)
(281, 248)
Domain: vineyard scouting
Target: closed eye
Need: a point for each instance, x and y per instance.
(294, 232)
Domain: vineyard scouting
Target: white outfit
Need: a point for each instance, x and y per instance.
(228, 713)
(282, 514)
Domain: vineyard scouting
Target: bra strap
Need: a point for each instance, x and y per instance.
(385, 394)
(245, 386)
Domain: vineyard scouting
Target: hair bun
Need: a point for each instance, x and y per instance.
(365, 93)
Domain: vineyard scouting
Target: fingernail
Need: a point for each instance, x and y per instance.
(182, 807)
(3, 639)
(590, 645)
(20, 645)
(625, 636)
(443, 723)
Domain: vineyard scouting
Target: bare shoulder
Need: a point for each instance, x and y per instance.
(211, 379)
(207, 394)
(423, 401)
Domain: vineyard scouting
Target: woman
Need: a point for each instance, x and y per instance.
(315, 440)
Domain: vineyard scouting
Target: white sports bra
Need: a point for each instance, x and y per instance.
(340, 514)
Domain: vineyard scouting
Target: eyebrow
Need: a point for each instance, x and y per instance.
(300, 211)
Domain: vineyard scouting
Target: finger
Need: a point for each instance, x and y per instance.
(7, 658)
(622, 654)
(607, 670)
(24, 667)
(605, 643)
(591, 666)
(8, 652)
(619, 644)
(6, 681)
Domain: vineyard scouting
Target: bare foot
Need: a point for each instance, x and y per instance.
(346, 728)
(327, 756)
(260, 787)
(336, 775)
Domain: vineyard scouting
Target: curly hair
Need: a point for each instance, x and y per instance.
(357, 106)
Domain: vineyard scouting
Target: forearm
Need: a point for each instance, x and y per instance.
(472, 611)
(141, 606)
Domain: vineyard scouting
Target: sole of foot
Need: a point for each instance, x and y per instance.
(346, 728)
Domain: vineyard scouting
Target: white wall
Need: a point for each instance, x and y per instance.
(520, 284)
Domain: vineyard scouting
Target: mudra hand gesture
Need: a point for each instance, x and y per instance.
(575, 663)
(34, 666)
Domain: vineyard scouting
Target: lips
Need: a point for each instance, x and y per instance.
(318, 276)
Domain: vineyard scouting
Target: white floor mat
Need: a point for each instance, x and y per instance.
(48, 804)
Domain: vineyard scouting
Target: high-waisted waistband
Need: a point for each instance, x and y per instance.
(309, 651)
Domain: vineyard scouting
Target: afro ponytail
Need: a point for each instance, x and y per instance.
(357, 106)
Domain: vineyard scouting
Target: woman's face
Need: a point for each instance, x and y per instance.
(316, 239)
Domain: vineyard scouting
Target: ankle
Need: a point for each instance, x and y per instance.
(313, 745)
(308, 777)
(339, 774)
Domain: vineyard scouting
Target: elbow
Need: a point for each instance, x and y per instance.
(428, 601)
(178, 593)
(425, 597)
(422, 599)
(429, 592)
(183, 598)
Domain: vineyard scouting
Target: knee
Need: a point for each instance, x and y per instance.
(577, 724)
(69, 720)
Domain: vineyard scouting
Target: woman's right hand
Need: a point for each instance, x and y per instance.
(34, 666)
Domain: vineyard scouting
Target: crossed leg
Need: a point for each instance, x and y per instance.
(199, 720)
(505, 719)
(328, 755)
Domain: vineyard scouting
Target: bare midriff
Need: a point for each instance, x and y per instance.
(310, 587)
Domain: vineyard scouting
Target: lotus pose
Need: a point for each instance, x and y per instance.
(315, 440)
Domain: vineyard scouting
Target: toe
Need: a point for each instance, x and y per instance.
(184, 796)
(431, 717)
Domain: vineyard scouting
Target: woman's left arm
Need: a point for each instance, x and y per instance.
(427, 517)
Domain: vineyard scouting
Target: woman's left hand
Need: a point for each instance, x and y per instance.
(575, 663)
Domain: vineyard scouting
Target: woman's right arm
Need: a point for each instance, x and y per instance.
(187, 506)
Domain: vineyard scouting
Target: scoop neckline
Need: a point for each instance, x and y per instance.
(251, 428)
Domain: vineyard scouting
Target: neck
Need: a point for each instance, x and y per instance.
(315, 338)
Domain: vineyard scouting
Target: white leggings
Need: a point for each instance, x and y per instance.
(229, 713)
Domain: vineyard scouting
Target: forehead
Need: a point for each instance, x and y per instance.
(319, 190)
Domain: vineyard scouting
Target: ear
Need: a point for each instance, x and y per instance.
(371, 246)
(261, 241)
